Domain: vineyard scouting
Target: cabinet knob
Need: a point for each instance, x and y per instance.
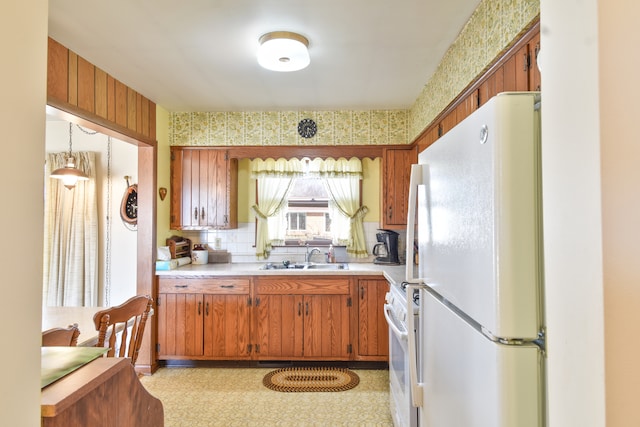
(202, 213)
(195, 213)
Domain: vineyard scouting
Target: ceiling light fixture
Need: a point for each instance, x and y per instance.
(69, 174)
(283, 51)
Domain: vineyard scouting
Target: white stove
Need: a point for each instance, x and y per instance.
(396, 311)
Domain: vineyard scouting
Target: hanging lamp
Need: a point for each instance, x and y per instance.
(69, 174)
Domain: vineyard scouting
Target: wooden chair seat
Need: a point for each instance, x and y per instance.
(61, 336)
(121, 328)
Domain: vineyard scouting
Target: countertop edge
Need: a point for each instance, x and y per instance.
(393, 273)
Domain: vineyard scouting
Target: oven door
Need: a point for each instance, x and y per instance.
(402, 411)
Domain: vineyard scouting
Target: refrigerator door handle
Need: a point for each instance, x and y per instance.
(414, 181)
(417, 387)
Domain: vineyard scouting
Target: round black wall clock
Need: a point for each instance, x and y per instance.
(307, 128)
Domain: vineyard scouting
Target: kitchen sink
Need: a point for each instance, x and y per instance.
(338, 266)
(282, 266)
(304, 266)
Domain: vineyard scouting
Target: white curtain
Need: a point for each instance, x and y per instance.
(274, 179)
(70, 270)
(342, 179)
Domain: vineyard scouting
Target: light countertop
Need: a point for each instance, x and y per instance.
(393, 273)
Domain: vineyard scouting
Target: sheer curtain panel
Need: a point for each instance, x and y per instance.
(70, 270)
(342, 179)
(274, 179)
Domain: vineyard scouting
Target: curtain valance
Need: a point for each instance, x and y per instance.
(324, 168)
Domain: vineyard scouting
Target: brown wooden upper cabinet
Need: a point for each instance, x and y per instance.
(204, 189)
(519, 72)
(396, 169)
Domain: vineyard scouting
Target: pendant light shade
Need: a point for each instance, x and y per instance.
(69, 174)
(283, 51)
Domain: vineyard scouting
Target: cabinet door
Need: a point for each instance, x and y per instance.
(180, 318)
(395, 186)
(516, 71)
(373, 332)
(492, 86)
(226, 326)
(188, 186)
(535, 80)
(204, 189)
(326, 327)
(279, 326)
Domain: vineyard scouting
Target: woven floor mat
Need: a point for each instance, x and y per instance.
(305, 379)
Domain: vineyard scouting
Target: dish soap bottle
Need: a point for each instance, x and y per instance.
(331, 256)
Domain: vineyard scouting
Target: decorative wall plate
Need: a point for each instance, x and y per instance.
(307, 128)
(129, 205)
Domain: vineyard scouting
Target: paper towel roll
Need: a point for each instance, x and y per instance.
(183, 261)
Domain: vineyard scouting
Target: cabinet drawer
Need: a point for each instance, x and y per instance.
(203, 286)
(302, 285)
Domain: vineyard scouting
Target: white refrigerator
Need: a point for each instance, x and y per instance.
(475, 203)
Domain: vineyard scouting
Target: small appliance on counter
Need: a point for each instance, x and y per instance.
(386, 250)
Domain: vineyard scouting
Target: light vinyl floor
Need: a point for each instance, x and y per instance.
(204, 396)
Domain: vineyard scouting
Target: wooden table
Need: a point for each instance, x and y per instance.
(105, 392)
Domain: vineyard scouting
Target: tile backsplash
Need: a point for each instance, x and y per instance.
(240, 243)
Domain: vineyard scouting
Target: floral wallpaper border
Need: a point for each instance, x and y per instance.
(281, 128)
(492, 27)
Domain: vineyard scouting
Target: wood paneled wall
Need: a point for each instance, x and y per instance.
(80, 89)
(77, 86)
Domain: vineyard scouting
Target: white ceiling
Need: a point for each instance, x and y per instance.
(199, 55)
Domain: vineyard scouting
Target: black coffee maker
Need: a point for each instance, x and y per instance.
(386, 250)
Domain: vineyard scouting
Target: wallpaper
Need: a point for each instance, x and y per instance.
(492, 27)
(281, 128)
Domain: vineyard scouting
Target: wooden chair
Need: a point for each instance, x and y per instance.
(61, 336)
(123, 327)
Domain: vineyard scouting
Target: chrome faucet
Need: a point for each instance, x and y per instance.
(311, 252)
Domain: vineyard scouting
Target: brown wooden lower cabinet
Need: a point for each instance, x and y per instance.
(288, 317)
(203, 318)
(303, 318)
(373, 332)
(303, 327)
(105, 392)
